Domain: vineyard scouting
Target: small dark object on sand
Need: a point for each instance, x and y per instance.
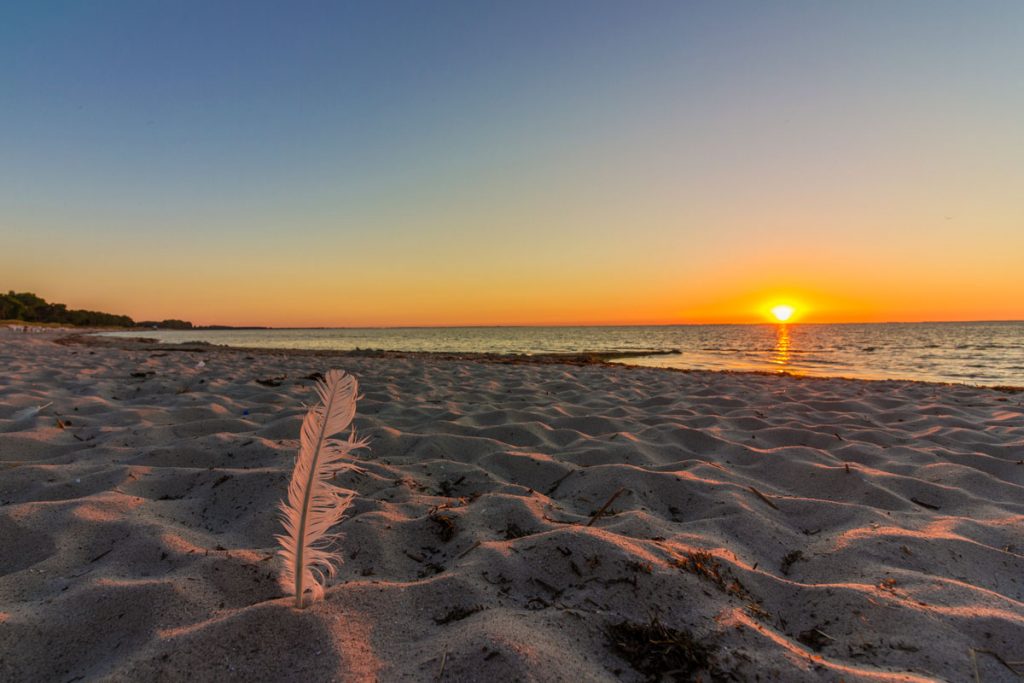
(513, 531)
(221, 480)
(445, 529)
(791, 558)
(457, 614)
(814, 639)
(659, 652)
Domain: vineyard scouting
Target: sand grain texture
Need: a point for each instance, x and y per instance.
(810, 530)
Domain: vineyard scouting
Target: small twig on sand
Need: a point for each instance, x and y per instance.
(763, 497)
(444, 660)
(559, 521)
(476, 544)
(604, 507)
(559, 482)
(974, 660)
(101, 555)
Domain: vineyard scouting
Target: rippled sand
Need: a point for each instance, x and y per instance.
(801, 529)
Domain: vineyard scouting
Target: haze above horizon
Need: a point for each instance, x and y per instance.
(431, 164)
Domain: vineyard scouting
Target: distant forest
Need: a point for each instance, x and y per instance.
(29, 308)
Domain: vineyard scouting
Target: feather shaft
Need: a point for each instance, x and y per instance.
(309, 491)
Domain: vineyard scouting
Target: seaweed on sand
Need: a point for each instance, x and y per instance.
(659, 652)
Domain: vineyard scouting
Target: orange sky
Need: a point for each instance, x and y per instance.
(544, 260)
(287, 293)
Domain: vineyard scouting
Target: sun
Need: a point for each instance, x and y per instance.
(783, 312)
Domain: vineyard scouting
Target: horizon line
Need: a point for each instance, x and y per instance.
(214, 326)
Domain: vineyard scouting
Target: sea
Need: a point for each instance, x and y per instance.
(979, 353)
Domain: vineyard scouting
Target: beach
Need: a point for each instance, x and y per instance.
(512, 521)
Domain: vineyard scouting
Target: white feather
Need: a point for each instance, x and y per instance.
(23, 419)
(314, 505)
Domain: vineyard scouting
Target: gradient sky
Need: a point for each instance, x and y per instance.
(410, 163)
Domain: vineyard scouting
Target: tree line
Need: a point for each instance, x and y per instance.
(29, 308)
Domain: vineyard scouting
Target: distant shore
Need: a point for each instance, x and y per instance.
(581, 358)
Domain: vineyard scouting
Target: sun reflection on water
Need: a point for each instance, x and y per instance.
(782, 353)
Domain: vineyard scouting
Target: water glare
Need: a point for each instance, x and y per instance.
(782, 344)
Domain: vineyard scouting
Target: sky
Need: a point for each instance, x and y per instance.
(448, 163)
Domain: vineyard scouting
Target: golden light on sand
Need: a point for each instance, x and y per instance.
(783, 312)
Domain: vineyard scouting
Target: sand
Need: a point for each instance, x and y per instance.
(798, 529)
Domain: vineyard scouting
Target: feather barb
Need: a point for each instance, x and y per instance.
(314, 505)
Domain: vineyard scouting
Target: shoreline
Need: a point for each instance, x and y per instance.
(597, 358)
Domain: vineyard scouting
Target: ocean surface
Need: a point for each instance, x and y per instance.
(985, 353)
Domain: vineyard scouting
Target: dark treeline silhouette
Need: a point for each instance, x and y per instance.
(29, 308)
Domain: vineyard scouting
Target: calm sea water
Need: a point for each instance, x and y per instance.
(989, 353)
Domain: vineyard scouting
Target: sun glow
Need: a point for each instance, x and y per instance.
(783, 312)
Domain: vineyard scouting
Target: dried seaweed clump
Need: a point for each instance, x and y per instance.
(659, 652)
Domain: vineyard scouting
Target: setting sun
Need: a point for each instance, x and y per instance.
(783, 312)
